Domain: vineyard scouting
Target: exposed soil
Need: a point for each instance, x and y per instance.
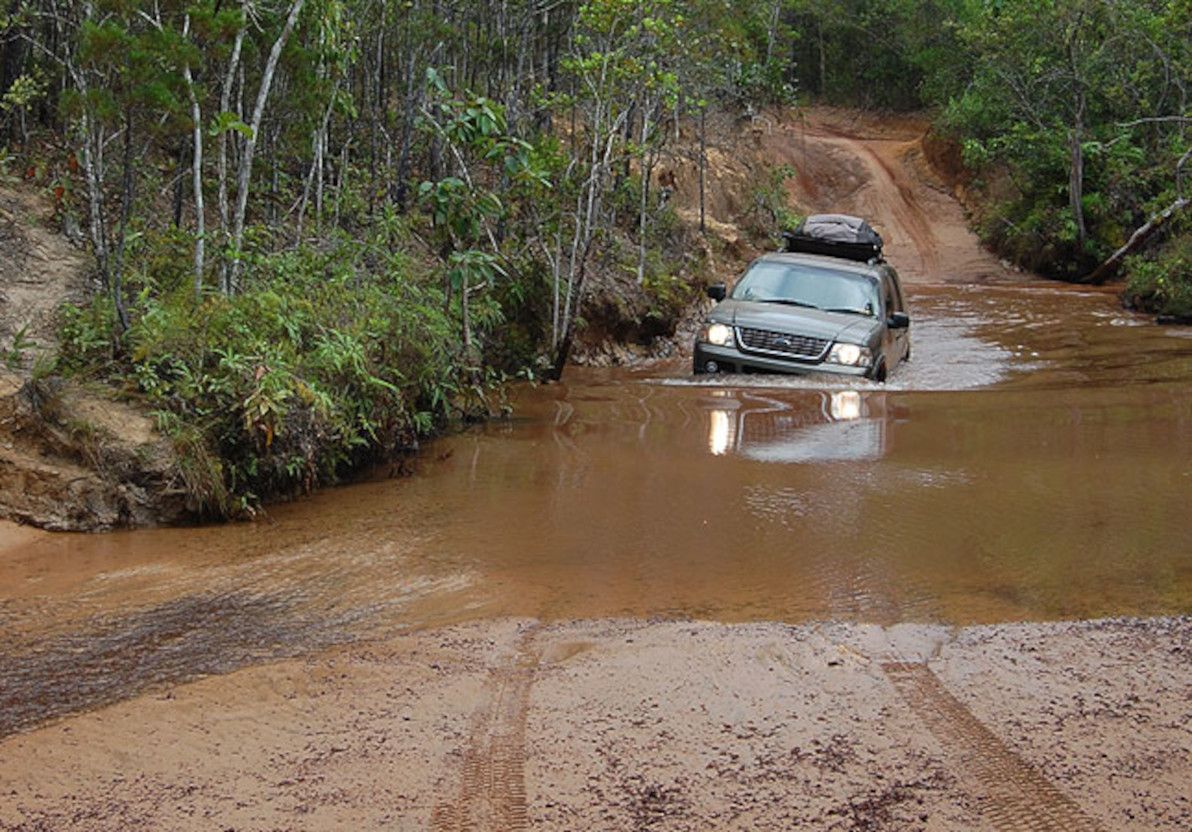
(70, 458)
(616, 725)
(881, 168)
(39, 270)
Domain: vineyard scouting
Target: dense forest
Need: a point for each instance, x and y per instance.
(1072, 119)
(322, 228)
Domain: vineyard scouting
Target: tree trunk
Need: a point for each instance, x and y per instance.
(126, 197)
(93, 171)
(179, 185)
(703, 168)
(1076, 184)
(644, 201)
(225, 101)
(196, 116)
(823, 58)
(244, 174)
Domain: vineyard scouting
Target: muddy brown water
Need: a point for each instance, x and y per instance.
(1033, 461)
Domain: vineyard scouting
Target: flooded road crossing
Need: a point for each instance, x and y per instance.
(1033, 462)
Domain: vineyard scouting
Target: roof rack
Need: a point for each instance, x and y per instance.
(835, 235)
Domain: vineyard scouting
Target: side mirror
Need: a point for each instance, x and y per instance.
(717, 292)
(899, 320)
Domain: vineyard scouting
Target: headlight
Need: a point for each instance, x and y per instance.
(850, 355)
(717, 334)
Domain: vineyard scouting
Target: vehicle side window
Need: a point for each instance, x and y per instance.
(900, 304)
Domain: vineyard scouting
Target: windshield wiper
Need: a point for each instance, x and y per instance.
(850, 311)
(789, 302)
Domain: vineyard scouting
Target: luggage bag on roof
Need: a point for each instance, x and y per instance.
(835, 235)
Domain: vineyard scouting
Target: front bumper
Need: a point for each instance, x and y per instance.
(733, 360)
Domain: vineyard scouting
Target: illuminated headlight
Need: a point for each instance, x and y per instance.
(717, 334)
(850, 355)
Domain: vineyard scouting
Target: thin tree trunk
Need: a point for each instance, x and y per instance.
(225, 101)
(587, 210)
(412, 103)
(126, 197)
(196, 116)
(244, 175)
(315, 173)
(1076, 183)
(179, 186)
(93, 170)
(772, 33)
(823, 58)
(644, 201)
(703, 168)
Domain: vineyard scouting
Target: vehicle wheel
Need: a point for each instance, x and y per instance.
(879, 374)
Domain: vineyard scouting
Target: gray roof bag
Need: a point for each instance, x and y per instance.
(835, 235)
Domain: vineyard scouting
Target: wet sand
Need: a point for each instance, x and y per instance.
(618, 725)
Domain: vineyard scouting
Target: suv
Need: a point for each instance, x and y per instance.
(816, 308)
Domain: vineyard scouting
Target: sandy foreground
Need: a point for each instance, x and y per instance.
(623, 725)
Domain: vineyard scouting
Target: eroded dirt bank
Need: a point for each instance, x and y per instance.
(71, 458)
(618, 725)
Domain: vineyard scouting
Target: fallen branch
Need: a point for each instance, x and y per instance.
(1143, 233)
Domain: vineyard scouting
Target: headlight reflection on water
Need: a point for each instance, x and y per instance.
(720, 432)
(727, 432)
(845, 405)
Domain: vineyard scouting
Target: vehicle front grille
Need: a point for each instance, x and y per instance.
(781, 343)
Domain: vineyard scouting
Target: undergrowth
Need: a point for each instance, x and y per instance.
(324, 362)
(1161, 281)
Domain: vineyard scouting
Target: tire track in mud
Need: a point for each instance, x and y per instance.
(492, 794)
(912, 215)
(887, 194)
(1012, 794)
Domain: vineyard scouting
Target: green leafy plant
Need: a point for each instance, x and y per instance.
(14, 357)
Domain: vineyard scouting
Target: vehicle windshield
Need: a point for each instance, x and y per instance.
(799, 284)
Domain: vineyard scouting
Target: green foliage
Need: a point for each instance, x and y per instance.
(1161, 281)
(1072, 108)
(24, 92)
(15, 355)
(289, 385)
(771, 211)
(669, 294)
(885, 54)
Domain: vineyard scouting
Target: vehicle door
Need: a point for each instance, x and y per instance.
(899, 338)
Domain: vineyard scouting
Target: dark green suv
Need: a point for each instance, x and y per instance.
(793, 312)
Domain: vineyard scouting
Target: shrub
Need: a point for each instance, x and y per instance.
(314, 370)
(1161, 282)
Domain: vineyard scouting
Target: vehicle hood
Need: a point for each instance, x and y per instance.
(796, 320)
